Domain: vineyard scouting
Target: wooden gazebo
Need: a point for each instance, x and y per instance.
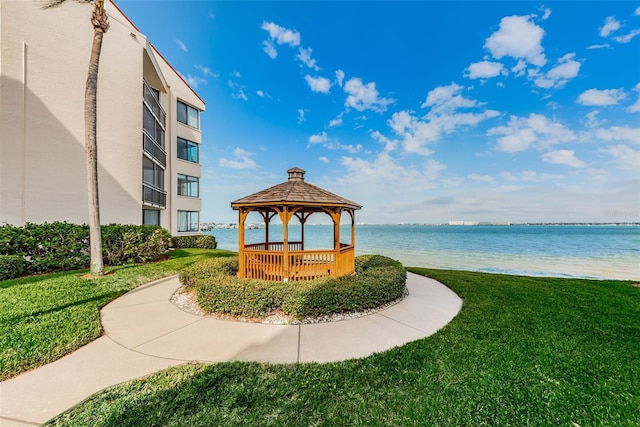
(289, 260)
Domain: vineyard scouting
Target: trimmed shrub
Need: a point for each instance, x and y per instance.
(48, 246)
(12, 266)
(133, 243)
(378, 280)
(64, 246)
(227, 266)
(201, 241)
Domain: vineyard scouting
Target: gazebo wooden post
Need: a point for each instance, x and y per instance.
(335, 216)
(242, 216)
(302, 218)
(267, 220)
(353, 227)
(285, 216)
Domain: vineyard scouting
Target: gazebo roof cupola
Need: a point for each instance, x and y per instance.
(296, 174)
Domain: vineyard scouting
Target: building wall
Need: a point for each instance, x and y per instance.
(180, 91)
(43, 70)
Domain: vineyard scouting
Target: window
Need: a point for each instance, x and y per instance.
(188, 115)
(188, 221)
(152, 127)
(187, 150)
(187, 185)
(152, 173)
(150, 217)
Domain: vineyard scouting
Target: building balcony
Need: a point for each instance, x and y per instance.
(154, 104)
(154, 149)
(153, 196)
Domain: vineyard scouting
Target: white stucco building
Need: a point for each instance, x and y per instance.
(148, 122)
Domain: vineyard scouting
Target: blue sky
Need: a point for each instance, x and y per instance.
(423, 112)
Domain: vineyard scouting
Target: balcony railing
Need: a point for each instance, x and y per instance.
(153, 196)
(154, 149)
(154, 104)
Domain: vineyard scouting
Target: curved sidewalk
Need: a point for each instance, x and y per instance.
(145, 332)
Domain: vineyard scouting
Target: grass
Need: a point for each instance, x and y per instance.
(523, 351)
(44, 317)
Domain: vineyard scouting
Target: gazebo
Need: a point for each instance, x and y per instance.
(289, 260)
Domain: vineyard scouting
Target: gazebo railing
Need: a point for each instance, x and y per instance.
(274, 246)
(265, 264)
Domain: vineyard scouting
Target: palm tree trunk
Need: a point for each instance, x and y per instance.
(100, 25)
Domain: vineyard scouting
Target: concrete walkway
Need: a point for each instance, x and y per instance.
(145, 332)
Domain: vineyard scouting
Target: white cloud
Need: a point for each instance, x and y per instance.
(329, 144)
(334, 145)
(592, 119)
(447, 98)
(637, 11)
(519, 38)
(238, 90)
(547, 13)
(281, 35)
(236, 74)
(611, 24)
(339, 77)
(636, 106)
(485, 70)
(566, 69)
(193, 81)
(364, 97)
(318, 84)
(337, 121)
(520, 68)
(207, 71)
(323, 159)
(627, 37)
(181, 45)
(304, 56)
(563, 157)
(384, 171)
(603, 97)
(600, 46)
(480, 178)
(416, 134)
(619, 133)
(263, 94)
(242, 160)
(624, 156)
(301, 116)
(535, 131)
(318, 139)
(269, 49)
(444, 116)
(389, 144)
(446, 101)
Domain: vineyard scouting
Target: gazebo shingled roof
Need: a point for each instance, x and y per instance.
(297, 192)
(288, 259)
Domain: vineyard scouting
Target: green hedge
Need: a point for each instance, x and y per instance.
(378, 280)
(12, 266)
(202, 241)
(64, 246)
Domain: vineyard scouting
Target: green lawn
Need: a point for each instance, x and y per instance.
(523, 351)
(44, 317)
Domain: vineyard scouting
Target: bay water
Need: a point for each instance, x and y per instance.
(597, 251)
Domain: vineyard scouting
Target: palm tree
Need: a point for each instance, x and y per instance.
(100, 26)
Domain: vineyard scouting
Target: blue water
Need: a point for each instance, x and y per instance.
(559, 251)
